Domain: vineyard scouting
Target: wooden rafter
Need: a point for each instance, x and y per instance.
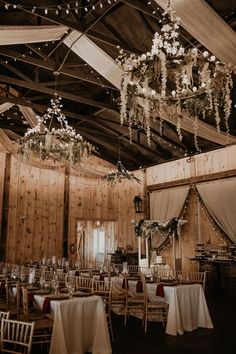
(38, 87)
(78, 74)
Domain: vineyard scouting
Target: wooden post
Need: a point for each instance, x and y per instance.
(199, 221)
(66, 212)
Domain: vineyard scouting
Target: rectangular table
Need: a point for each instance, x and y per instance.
(188, 309)
(79, 325)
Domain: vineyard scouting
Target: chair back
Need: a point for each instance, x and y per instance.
(16, 336)
(25, 304)
(198, 277)
(84, 284)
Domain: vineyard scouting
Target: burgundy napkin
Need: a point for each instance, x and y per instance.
(123, 284)
(160, 290)
(46, 305)
(101, 277)
(139, 286)
(31, 297)
(2, 287)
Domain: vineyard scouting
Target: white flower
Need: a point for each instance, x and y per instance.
(174, 34)
(143, 57)
(173, 93)
(153, 92)
(205, 54)
(212, 58)
(194, 89)
(194, 51)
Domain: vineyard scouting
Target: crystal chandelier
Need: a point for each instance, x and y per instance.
(61, 143)
(173, 80)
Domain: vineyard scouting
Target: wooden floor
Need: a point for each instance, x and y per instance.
(220, 340)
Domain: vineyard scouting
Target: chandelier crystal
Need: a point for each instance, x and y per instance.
(61, 143)
(173, 80)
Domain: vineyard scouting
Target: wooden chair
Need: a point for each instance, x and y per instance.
(154, 310)
(134, 304)
(118, 301)
(16, 336)
(133, 269)
(13, 301)
(84, 284)
(43, 322)
(198, 277)
(163, 273)
(103, 288)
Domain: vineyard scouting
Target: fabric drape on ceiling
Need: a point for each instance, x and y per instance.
(220, 200)
(167, 203)
(5, 106)
(29, 115)
(203, 23)
(94, 56)
(30, 34)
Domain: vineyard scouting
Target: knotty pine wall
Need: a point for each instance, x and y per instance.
(2, 180)
(94, 199)
(44, 205)
(35, 212)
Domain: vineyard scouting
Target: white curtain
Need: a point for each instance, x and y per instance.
(203, 23)
(219, 198)
(5, 106)
(167, 203)
(30, 34)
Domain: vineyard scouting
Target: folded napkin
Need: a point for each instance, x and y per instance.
(160, 290)
(2, 287)
(46, 304)
(123, 284)
(139, 286)
(31, 297)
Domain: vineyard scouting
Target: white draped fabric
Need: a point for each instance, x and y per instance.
(30, 34)
(187, 305)
(5, 106)
(79, 326)
(199, 19)
(95, 57)
(220, 200)
(167, 203)
(29, 115)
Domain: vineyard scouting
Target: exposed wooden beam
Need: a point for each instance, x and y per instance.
(38, 87)
(140, 6)
(16, 71)
(78, 74)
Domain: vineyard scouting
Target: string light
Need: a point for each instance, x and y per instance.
(67, 8)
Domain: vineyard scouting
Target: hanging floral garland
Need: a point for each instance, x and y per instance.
(170, 79)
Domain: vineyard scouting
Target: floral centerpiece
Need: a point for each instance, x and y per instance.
(171, 79)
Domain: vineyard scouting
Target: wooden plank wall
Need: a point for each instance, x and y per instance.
(94, 199)
(35, 215)
(36, 198)
(2, 176)
(217, 161)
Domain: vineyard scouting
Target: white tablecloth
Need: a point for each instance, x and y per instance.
(188, 309)
(79, 326)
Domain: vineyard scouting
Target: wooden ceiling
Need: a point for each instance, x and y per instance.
(90, 102)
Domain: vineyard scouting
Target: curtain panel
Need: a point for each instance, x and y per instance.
(168, 203)
(219, 197)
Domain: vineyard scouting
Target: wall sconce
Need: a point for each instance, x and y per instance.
(138, 204)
